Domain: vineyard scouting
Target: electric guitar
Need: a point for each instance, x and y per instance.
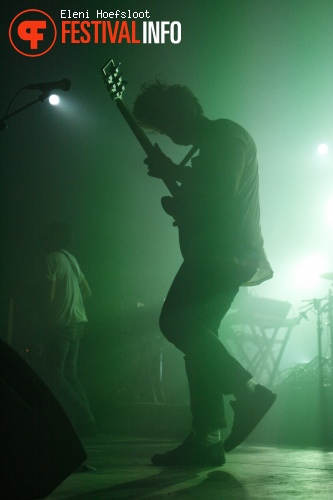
(116, 86)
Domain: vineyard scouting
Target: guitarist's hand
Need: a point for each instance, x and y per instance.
(159, 165)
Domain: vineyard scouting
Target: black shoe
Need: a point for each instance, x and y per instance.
(247, 414)
(192, 453)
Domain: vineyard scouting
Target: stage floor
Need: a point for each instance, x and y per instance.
(123, 470)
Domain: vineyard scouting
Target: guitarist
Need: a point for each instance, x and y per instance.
(216, 209)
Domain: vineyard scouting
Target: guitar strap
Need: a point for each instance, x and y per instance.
(168, 201)
(188, 155)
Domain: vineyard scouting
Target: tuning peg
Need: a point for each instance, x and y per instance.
(116, 69)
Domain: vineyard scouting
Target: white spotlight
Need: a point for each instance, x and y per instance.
(54, 99)
(308, 271)
(329, 212)
(322, 149)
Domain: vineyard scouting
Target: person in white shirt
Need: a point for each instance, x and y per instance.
(67, 289)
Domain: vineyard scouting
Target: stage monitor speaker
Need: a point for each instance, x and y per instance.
(39, 446)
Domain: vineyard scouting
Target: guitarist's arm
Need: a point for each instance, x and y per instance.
(160, 166)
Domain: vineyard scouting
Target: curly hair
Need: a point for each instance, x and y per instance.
(159, 103)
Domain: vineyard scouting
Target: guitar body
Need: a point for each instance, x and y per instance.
(169, 206)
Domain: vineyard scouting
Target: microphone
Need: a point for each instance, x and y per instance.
(63, 84)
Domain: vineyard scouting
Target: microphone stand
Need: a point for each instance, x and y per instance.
(325, 403)
(330, 326)
(317, 307)
(314, 305)
(43, 96)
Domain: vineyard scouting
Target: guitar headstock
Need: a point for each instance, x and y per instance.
(113, 79)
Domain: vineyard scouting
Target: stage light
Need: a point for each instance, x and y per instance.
(54, 99)
(329, 212)
(322, 149)
(307, 273)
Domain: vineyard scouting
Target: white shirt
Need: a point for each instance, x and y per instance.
(67, 307)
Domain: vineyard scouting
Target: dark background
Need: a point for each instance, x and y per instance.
(266, 64)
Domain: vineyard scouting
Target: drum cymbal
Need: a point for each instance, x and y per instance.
(327, 276)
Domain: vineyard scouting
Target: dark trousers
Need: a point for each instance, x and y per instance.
(199, 297)
(61, 356)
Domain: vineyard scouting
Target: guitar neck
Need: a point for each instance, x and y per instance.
(143, 140)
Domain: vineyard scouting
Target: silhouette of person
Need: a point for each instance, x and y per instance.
(216, 209)
(67, 288)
